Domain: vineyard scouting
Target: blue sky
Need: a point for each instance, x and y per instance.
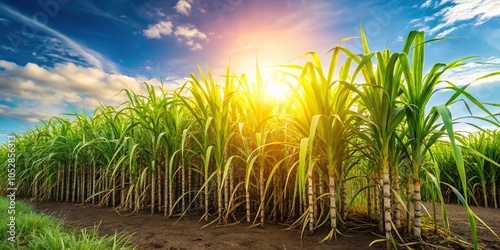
(78, 52)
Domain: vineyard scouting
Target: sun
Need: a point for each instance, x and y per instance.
(276, 87)
(276, 91)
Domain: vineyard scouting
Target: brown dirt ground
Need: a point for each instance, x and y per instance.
(156, 232)
(459, 223)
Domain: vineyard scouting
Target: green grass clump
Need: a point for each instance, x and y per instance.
(40, 231)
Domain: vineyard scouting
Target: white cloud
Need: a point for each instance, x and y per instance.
(476, 12)
(33, 92)
(194, 45)
(183, 6)
(157, 30)
(189, 32)
(186, 33)
(191, 35)
(7, 65)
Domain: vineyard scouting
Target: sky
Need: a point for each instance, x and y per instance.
(57, 54)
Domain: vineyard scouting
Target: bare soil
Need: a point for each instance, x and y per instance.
(156, 232)
(459, 224)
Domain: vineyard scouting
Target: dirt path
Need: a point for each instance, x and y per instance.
(156, 232)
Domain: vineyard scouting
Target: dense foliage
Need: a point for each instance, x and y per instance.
(352, 135)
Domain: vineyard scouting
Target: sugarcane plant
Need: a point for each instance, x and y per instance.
(324, 120)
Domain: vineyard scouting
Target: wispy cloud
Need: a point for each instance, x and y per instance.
(451, 13)
(92, 57)
(4, 21)
(55, 49)
(426, 4)
(90, 7)
(7, 48)
(493, 38)
(449, 30)
(485, 90)
(474, 70)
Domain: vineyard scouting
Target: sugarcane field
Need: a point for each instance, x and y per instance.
(250, 125)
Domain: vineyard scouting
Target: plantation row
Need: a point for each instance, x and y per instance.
(482, 158)
(354, 135)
